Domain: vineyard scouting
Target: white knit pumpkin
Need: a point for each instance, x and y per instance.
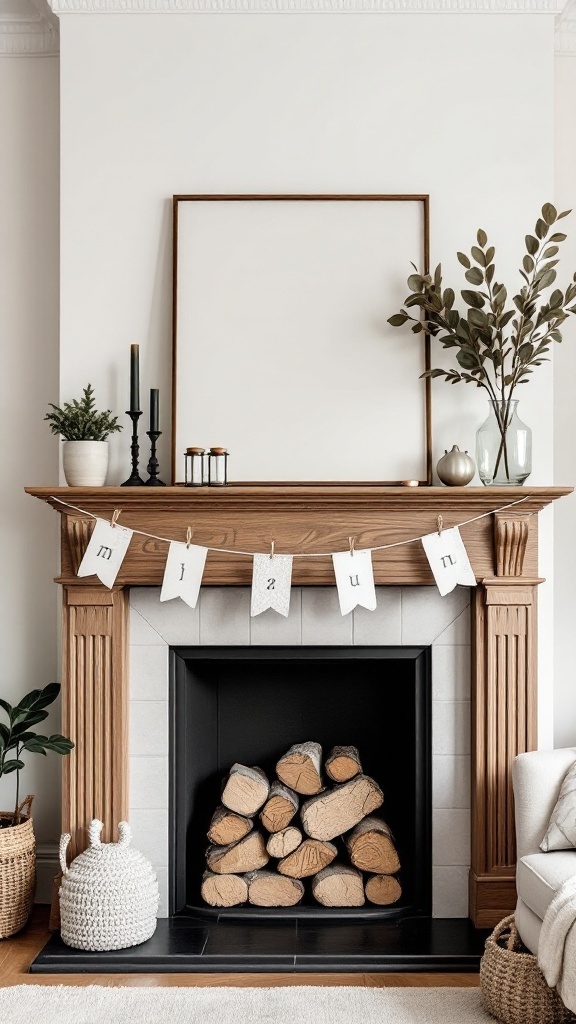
(109, 895)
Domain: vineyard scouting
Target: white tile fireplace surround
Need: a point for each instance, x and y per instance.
(404, 616)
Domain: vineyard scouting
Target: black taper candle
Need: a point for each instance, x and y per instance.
(134, 378)
(154, 409)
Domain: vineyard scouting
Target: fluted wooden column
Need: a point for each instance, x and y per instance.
(503, 716)
(94, 709)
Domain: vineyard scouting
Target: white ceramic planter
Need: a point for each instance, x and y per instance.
(85, 463)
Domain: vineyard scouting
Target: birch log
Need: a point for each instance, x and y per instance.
(341, 808)
(342, 764)
(248, 854)
(246, 789)
(269, 889)
(339, 886)
(371, 847)
(281, 806)
(300, 768)
(224, 890)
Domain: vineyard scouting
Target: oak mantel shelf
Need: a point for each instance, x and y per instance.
(304, 518)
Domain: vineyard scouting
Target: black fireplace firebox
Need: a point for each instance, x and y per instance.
(250, 704)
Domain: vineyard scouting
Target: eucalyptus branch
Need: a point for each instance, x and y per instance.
(497, 346)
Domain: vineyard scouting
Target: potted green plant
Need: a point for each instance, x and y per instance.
(17, 840)
(84, 431)
(497, 345)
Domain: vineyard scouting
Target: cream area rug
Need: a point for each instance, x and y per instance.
(95, 1004)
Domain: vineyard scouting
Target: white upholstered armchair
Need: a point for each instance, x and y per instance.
(537, 777)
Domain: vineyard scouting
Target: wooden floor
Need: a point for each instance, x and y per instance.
(17, 953)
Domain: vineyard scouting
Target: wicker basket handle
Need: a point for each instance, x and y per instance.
(64, 840)
(27, 802)
(507, 924)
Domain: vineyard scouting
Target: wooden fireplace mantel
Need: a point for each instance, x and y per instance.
(308, 519)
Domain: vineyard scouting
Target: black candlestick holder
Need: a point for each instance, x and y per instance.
(134, 480)
(153, 465)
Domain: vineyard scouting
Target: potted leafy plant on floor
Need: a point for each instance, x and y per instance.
(17, 840)
(85, 433)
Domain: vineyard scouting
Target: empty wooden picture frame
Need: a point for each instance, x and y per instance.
(282, 352)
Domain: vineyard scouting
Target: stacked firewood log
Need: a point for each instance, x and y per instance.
(265, 839)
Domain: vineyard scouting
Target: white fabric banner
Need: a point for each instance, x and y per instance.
(105, 552)
(355, 580)
(271, 583)
(448, 560)
(183, 572)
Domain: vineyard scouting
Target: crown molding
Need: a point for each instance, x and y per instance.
(565, 37)
(307, 6)
(28, 28)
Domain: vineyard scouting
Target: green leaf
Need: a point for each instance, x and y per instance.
(417, 328)
(30, 719)
(37, 699)
(490, 273)
(448, 298)
(531, 244)
(548, 278)
(541, 229)
(481, 237)
(7, 707)
(558, 237)
(528, 264)
(478, 255)
(478, 318)
(398, 319)
(525, 352)
(11, 766)
(506, 318)
(463, 260)
(549, 213)
(415, 283)
(550, 252)
(564, 214)
(472, 298)
(4, 733)
(467, 358)
(474, 276)
(490, 254)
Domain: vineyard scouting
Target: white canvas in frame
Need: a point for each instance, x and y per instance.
(283, 351)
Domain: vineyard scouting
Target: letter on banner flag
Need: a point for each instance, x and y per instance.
(271, 582)
(448, 560)
(105, 552)
(354, 579)
(183, 572)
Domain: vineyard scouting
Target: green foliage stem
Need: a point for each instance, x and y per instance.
(497, 344)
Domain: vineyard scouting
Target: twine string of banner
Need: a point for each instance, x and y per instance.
(298, 554)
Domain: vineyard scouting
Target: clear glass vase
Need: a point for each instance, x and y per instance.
(504, 446)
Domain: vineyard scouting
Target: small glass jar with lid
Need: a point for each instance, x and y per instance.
(217, 467)
(194, 467)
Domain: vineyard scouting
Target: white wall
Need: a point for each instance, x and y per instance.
(564, 422)
(153, 106)
(157, 105)
(29, 201)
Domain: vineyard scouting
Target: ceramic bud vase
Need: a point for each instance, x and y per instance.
(504, 446)
(85, 463)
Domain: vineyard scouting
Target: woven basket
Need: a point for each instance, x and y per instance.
(513, 987)
(17, 871)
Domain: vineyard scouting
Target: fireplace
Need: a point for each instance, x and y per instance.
(249, 705)
(477, 728)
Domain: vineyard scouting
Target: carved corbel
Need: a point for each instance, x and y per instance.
(78, 532)
(511, 531)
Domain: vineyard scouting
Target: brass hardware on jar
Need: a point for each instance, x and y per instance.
(194, 467)
(217, 467)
